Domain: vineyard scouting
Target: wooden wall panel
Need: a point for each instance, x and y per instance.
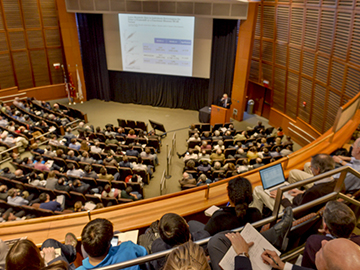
(254, 72)
(6, 74)
(35, 39)
(256, 48)
(55, 56)
(49, 13)
(17, 40)
(22, 69)
(31, 13)
(279, 89)
(316, 42)
(3, 42)
(38, 58)
(12, 14)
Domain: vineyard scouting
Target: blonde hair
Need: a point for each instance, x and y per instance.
(188, 256)
(77, 206)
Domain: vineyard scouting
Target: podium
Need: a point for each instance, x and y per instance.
(219, 115)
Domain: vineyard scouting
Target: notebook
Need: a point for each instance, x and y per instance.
(272, 178)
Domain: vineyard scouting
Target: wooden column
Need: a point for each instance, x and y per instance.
(71, 44)
(243, 61)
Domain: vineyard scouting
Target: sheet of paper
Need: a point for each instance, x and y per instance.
(128, 236)
(210, 211)
(250, 234)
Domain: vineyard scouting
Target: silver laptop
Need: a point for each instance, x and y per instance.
(272, 178)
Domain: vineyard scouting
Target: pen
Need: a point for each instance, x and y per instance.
(271, 258)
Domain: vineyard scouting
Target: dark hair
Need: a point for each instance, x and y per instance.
(240, 193)
(173, 229)
(324, 162)
(87, 168)
(96, 237)
(24, 255)
(43, 197)
(6, 170)
(339, 219)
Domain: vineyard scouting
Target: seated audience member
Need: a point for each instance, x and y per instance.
(104, 175)
(72, 172)
(190, 165)
(3, 192)
(71, 156)
(84, 146)
(125, 163)
(11, 215)
(147, 154)
(352, 183)
(338, 222)
(252, 153)
(80, 186)
(183, 258)
(14, 198)
(96, 148)
(107, 150)
(265, 153)
(96, 239)
(204, 156)
(258, 163)
(131, 134)
(19, 141)
(194, 138)
(240, 153)
(288, 141)
(276, 153)
(238, 213)
(110, 192)
(16, 158)
(25, 255)
(35, 147)
(40, 164)
(218, 155)
(60, 154)
(336, 254)
(78, 207)
(320, 163)
(19, 176)
(227, 135)
(46, 203)
(63, 186)
(240, 137)
(51, 180)
(128, 193)
(132, 151)
(217, 135)
(276, 235)
(74, 144)
(219, 145)
(87, 159)
(110, 161)
(286, 151)
(53, 140)
(88, 172)
(204, 167)
(203, 180)
(204, 146)
(7, 173)
(187, 180)
(190, 155)
(174, 231)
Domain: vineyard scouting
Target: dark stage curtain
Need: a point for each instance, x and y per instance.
(94, 56)
(159, 90)
(222, 59)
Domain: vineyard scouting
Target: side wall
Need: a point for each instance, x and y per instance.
(309, 52)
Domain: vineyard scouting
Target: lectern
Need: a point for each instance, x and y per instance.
(219, 115)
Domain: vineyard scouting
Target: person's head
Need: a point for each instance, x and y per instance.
(220, 142)
(266, 150)
(107, 188)
(84, 145)
(78, 206)
(173, 229)
(231, 167)
(12, 192)
(3, 188)
(205, 163)
(240, 195)
(338, 254)
(125, 159)
(103, 171)
(18, 173)
(189, 256)
(278, 140)
(59, 152)
(218, 151)
(61, 181)
(24, 255)
(321, 163)
(73, 140)
(217, 165)
(128, 190)
(43, 197)
(87, 168)
(96, 237)
(51, 174)
(339, 219)
(70, 166)
(185, 176)
(85, 154)
(147, 151)
(71, 153)
(356, 149)
(190, 163)
(240, 151)
(225, 95)
(258, 160)
(6, 170)
(8, 216)
(217, 133)
(77, 183)
(131, 132)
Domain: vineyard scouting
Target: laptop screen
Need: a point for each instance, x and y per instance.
(272, 176)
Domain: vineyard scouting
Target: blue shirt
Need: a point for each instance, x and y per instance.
(52, 205)
(124, 252)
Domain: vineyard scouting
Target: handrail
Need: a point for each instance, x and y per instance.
(303, 131)
(15, 95)
(336, 193)
(297, 133)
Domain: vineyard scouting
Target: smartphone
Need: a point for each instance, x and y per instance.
(114, 241)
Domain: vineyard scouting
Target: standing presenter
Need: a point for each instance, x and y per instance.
(225, 101)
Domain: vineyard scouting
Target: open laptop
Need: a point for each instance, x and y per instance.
(272, 178)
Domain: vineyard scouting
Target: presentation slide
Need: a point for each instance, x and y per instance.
(157, 44)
